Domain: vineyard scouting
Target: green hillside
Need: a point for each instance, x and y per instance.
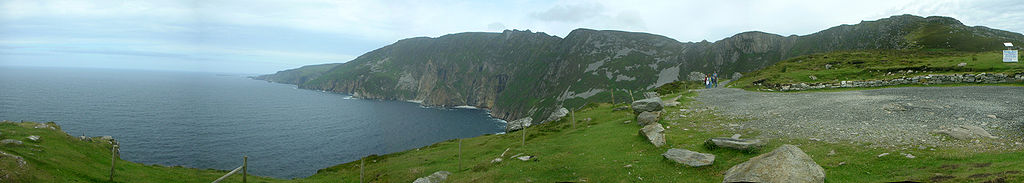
(521, 73)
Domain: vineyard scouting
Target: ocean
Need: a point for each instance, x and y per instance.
(210, 120)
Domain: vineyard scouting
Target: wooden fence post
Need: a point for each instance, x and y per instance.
(524, 135)
(613, 96)
(245, 167)
(460, 154)
(573, 114)
(631, 95)
(113, 155)
(362, 163)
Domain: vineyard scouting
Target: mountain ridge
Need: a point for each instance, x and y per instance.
(529, 74)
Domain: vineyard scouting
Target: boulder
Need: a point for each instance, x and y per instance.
(695, 76)
(107, 138)
(647, 105)
(687, 157)
(518, 124)
(964, 132)
(558, 114)
(654, 133)
(734, 143)
(10, 141)
(646, 118)
(736, 75)
(436, 177)
(786, 164)
(34, 138)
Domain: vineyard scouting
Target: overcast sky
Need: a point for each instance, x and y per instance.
(255, 36)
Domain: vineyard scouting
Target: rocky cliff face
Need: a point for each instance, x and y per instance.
(525, 74)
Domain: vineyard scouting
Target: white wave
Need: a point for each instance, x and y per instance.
(415, 101)
(465, 107)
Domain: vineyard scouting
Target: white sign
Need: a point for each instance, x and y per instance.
(1008, 44)
(1009, 55)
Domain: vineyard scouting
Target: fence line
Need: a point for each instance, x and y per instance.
(245, 163)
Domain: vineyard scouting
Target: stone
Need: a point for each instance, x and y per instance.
(736, 75)
(964, 132)
(991, 116)
(524, 158)
(786, 164)
(831, 153)
(518, 124)
(695, 76)
(654, 133)
(671, 102)
(883, 154)
(961, 64)
(10, 141)
(813, 77)
(435, 177)
(107, 138)
(558, 114)
(44, 125)
(647, 105)
(645, 118)
(34, 138)
(496, 160)
(690, 158)
(620, 108)
(734, 143)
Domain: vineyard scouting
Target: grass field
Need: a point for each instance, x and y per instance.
(879, 64)
(597, 149)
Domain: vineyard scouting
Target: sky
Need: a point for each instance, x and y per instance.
(260, 37)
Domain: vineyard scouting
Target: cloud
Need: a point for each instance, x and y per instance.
(572, 13)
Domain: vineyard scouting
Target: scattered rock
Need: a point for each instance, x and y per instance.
(44, 125)
(654, 133)
(813, 77)
(558, 114)
(107, 138)
(784, 164)
(965, 132)
(991, 116)
(496, 160)
(736, 75)
(883, 154)
(647, 105)
(21, 161)
(84, 138)
(524, 158)
(671, 102)
(518, 124)
(10, 141)
(831, 153)
(620, 108)
(34, 138)
(828, 66)
(645, 118)
(687, 157)
(436, 177)
(736, 136)
(628, 166)
(734, 143)
(961, 64)
(908, 155)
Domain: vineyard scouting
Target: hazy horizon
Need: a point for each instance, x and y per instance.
(269, 36)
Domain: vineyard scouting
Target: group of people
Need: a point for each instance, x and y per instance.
(711, 80)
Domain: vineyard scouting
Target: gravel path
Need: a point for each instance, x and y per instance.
(894, 117)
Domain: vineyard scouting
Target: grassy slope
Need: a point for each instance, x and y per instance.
(58, 157)
(869, 65)
(595, 150)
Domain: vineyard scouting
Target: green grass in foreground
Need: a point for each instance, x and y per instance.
(596, 150)
(876, 64)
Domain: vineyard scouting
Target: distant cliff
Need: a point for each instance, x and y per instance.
(521, 73)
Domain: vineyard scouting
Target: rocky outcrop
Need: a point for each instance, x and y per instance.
(647, 105)
(10, 142)
(734, 143)
(33, 138)
(436, 177)
(654, 133)
(690, 158)
(786, 164)
(558, 114)
(646, 118)
(964, 132)
(988, 78)
(518, 124)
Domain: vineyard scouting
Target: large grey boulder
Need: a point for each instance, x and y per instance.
(687, 157)
(654, 133)
(786, 164)
(33, 138)
(10, 141)
(436, 177)
(646, 118)
(734, 143)
(558, 114)
(647, 105)
(965, 132)
(518, 124)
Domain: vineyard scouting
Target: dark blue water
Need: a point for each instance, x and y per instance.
(207, 120)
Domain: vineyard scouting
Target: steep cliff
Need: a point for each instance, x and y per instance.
(521, 73)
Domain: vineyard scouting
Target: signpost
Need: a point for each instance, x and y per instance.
(1010, 55)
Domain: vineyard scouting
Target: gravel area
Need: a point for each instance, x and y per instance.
(890, 117)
